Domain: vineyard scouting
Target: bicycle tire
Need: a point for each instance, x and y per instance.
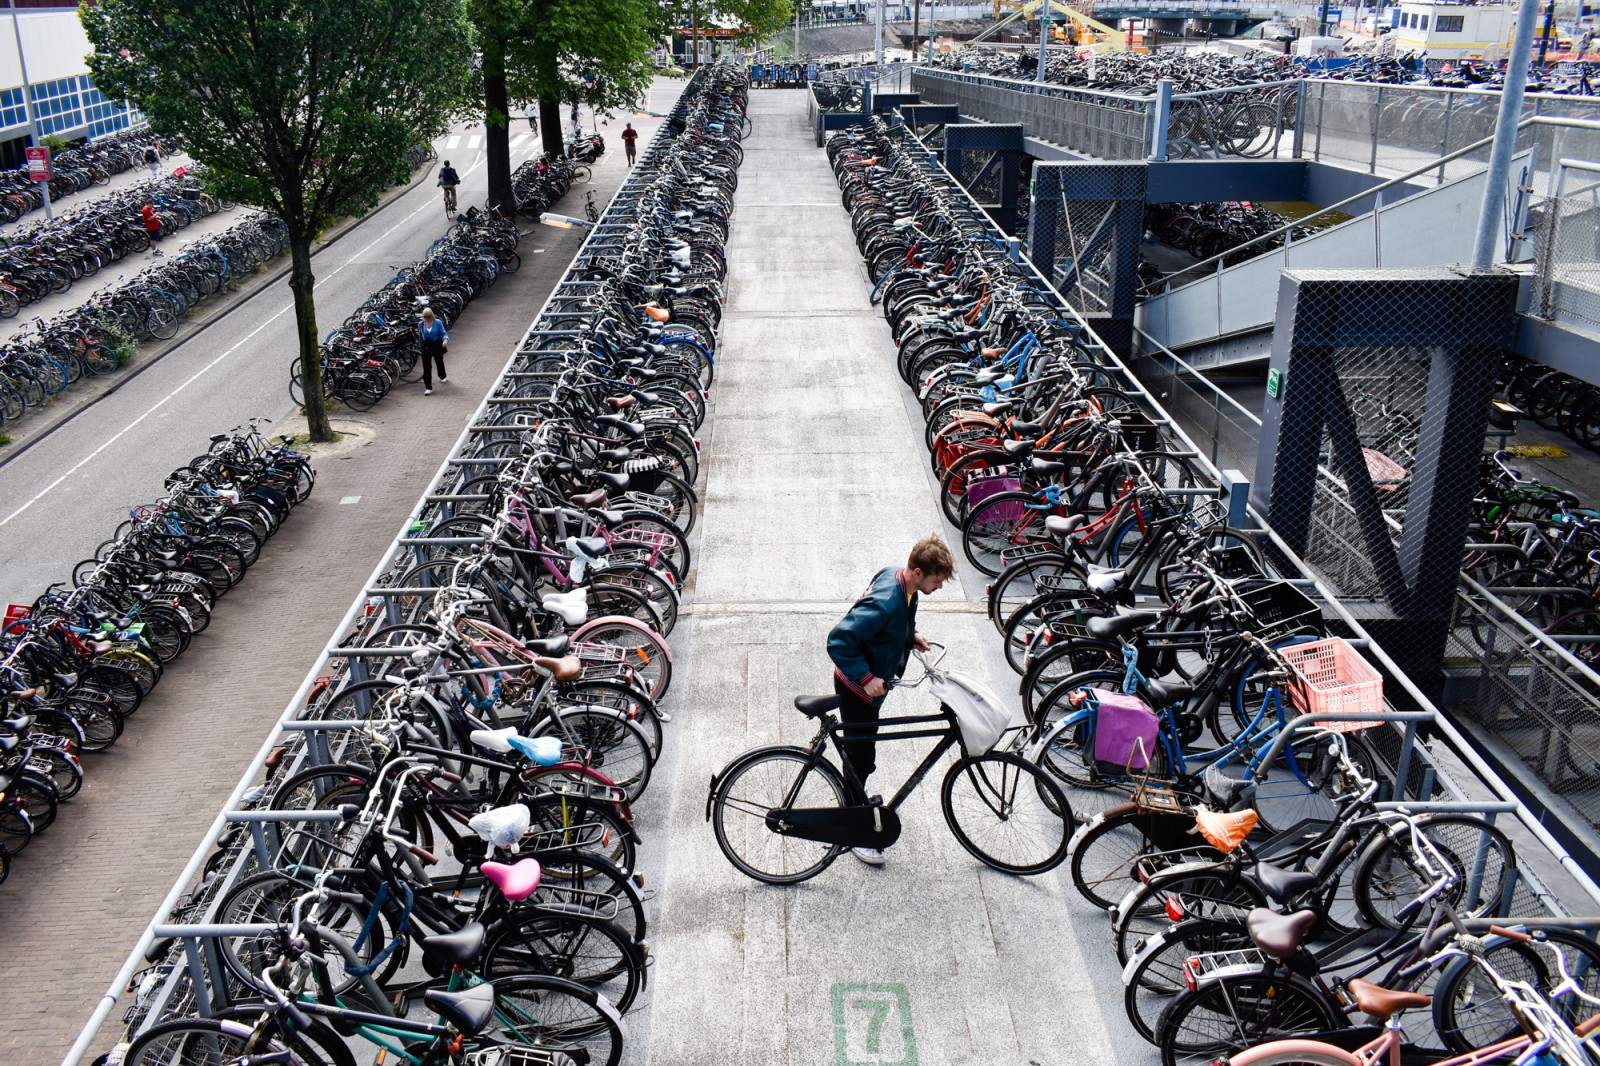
(1024, 799)
(560, 1014)
(751, 825)
(217, 1041)
(1240, 1011)
(583, 948)
(1155, 976)
(1385, 877)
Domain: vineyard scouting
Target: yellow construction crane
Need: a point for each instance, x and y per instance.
(1097, 34)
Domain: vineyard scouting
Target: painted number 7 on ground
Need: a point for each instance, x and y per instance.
(872, 1026)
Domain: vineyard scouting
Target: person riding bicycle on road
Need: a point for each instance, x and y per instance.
(448, 178)
(872, 643)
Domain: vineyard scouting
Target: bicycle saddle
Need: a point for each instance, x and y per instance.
(493, 739)
(1104, 581)
(458, 948)
(1046, 466)
(1015, 448)
(608, 518)
(1027, 429)
(615, 482)
(7, 743)
(468, 1011)
(1224, 831)
(516, 882)
(991, 353)
(817, 706)
(19, 724)
(566, 668)
(615, 455)
(618, 403)
(632, 429)
(587, 500)
(1062, 528)
(995, 410)
(1166, 693)
(555, 647)
(1111, 627)
(1279, 935)
(1225, 791)
(594, 547)
(1283, 885)
(988, 377)
(25, 693)
(1380, 1003)
(573, 607)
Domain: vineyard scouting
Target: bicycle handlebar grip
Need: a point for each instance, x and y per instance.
(427, 857)
(1509, 934)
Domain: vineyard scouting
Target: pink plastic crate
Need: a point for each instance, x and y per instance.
(1331, 676)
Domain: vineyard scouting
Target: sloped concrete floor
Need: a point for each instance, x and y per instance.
(816, 478)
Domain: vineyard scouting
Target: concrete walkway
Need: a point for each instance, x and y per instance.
(816, 479)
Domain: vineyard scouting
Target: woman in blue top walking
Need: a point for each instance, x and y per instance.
(435, 342)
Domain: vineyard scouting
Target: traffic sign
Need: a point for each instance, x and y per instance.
(38, 163)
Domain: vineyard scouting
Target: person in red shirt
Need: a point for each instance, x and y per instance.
(629, 136)
(152, 227)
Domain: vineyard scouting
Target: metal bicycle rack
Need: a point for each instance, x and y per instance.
(189, 977)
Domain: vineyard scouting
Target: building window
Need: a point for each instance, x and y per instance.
(1424, 21)
(1450, 23)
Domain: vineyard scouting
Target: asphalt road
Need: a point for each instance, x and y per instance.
(64, 496)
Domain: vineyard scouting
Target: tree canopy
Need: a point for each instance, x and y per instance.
(307, 108)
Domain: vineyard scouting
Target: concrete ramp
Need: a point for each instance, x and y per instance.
(1227, 317)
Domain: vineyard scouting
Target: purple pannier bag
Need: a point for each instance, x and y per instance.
(1125, 730)
(978, 491)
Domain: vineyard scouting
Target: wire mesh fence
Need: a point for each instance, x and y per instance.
(1103, 125)
(1566, 232)
(1530, 696)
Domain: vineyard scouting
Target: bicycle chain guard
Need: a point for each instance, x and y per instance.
(860, 826)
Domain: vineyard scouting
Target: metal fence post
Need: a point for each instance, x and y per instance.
(1402, 772)
(1377, 117)
(1444, 140)
(197, 976)
(1475, 881)
(1160, 120)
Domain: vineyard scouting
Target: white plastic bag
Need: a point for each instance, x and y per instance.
(979, 712)
(503, 826)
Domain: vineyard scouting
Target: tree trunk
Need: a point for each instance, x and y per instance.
(694, 35)
(550, 125)
(496, 119)
(916, 20)
(301, 281)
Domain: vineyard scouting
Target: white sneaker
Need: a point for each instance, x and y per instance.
(870, 856)
(427, 392)
(444, 381)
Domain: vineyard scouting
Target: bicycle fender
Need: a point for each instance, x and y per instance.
(1037, 748)
(739, 760)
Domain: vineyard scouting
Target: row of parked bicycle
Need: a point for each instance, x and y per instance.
(73, 171)
(379, 344)
(43, 358)
(1258, 889)
(80, 660)
(48, 256)
(453, 877)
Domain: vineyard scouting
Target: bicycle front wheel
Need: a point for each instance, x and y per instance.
(1007, 812)
(206, 1042)
(534, 1010)
(762, 781)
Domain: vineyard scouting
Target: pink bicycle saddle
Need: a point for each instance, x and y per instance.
(516, 882)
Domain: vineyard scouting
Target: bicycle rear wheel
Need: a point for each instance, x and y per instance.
(1202, 1026)
(1007, 812)
(761, 781)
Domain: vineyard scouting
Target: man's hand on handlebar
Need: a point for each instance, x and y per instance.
(874, 688)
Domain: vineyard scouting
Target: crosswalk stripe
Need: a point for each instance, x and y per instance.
(474, 140)
(451, 141)
(518, 139)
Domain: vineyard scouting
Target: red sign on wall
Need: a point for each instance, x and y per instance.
(38, 163)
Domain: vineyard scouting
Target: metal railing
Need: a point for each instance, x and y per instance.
(1100, 124)
(1567, 242)
(1421, 773)
(190, 976)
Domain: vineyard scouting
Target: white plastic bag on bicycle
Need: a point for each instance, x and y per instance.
(502, 826)
(981, 715)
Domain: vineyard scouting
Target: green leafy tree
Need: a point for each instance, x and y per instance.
(307, 108)
(594, 52)
(761, 16)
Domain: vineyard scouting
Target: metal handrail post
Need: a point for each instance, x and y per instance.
(1507, 123)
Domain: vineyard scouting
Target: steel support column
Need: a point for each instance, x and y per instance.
(1328, 320)
(1087, 219)
(976, 152)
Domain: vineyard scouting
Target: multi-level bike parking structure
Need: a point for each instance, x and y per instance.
(507, 658)
(1252, 881)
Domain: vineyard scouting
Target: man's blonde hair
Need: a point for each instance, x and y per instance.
(931, 557)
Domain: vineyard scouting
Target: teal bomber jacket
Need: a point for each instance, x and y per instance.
(874, 638)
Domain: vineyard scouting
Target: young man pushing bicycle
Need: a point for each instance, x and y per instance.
(872, 643)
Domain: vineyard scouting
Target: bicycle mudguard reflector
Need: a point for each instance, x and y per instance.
(863, 826)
